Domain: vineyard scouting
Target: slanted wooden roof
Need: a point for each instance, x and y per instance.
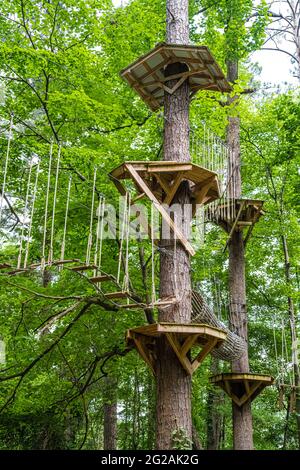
(159, 182)
(146, 74)
(161, 176)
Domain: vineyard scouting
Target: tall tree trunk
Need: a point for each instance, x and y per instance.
(173, 384)
(150, 413)
(214, 417)
(110, 414)
(242, 417)
(293, 331)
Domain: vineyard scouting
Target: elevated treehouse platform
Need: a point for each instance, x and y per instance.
(159, 182)
(181, 338)
(242, 387)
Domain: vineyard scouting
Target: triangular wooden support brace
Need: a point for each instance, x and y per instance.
(242, 387)
(136, 177)
(181, 338)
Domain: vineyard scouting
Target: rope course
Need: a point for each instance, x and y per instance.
(41, 203)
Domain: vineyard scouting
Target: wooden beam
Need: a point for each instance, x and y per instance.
(163, 183)
(169, 167)
(144, 188)
(172, 191)
(141, 346)
(188, 344)
(116, 295)
(176, 346)
(102, 278)
(84, 267)
(204, 190)
(234, 225)
(203, 353)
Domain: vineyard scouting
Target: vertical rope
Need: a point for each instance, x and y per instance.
(126, 277)
(99, 210)
(63, 245)
(153, 288)
(275, 347)
(90, 236)
(122, 239)
(24, 216)
(6, 166)
(31, 215)
(50, 259)
(101, 235)
(46, 207)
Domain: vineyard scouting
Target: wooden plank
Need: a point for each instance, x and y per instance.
(247, 387)
(175, 345)
(243, 223)
(235, 376)
(163, 212)
(102, 278)
(116, 295)
(169, 167)
(203, 353)
(5, 265)
(163, 183)
(201, 329)
(254, 387)
(141, 346)
(204, 190)
(133, 306)
(188, 344)
(172, 191)
(84, 267)
(227, 388)
(64, 261)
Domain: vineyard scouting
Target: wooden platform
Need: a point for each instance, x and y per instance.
(159, 182)
(237, 215)
(244, 213)
(101, 278)
(242, 387)
(181, 338)
(146, 74)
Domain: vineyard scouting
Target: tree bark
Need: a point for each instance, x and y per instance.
(110, 415)
(173, 384)
(242, 417)
(214, 418)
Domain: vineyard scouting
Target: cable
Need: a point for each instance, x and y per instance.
(6, 166)
(31, 215)
(50, 259)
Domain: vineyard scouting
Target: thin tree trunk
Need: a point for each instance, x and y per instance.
(293, 331)
(110, 414)
(242, 417)
(286, 427)
(173, 384)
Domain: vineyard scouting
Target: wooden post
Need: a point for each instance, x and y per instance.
(173, 383)
(242, 417)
